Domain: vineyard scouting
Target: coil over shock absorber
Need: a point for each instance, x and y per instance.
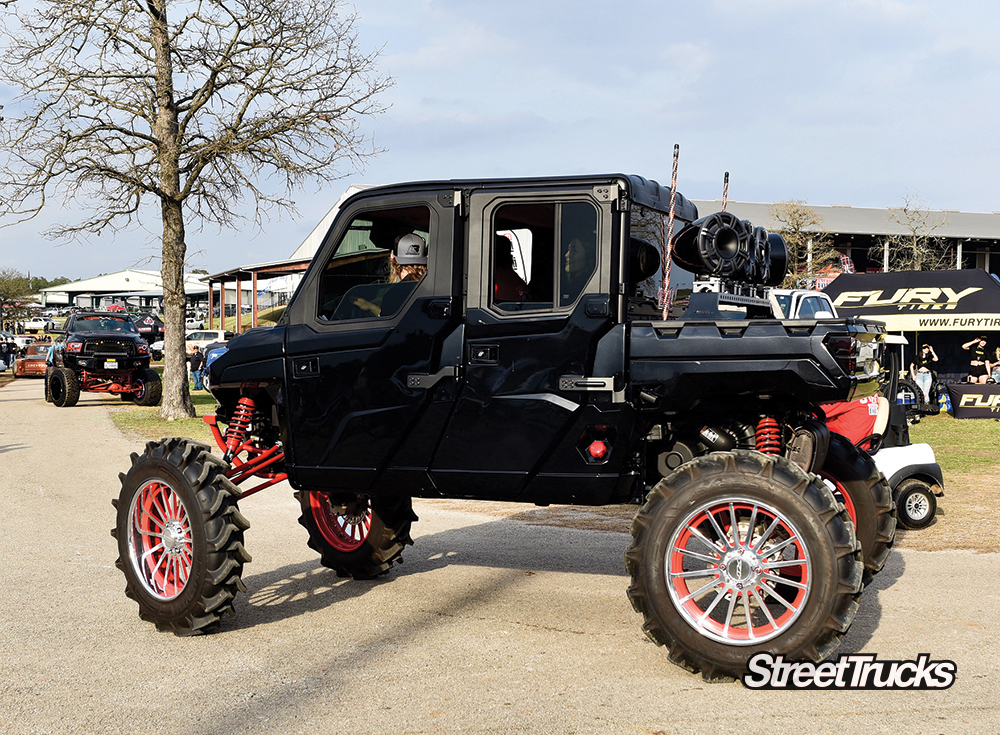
(768, 436)
(238, 430)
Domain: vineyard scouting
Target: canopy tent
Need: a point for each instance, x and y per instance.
(921, 301)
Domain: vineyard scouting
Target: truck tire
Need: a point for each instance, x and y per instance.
(64, 389)
(362, 543)
(915, 504)
(150, 388)
(180, 536)
(864, 492)
(787, 581)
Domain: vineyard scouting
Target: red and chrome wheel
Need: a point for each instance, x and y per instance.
(159, 540)
(180, 536)
(355, 535)
(738, 572)
(345, 531)
(738, 551)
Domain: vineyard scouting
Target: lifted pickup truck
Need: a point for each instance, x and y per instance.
(496, 340)
(101, 352)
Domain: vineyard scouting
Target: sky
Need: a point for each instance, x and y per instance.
(849, 102)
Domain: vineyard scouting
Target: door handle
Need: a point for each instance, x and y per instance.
(439, 309)
(423, 381)
(305, 367)
(484, 354)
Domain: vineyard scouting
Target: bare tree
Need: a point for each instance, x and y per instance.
(810, 250)
(916, 247)
(130, 115)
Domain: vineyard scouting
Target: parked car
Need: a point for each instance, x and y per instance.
(32, 364)
(38, 324)
(202, 338)
(194, 323)
(21, 340)
(194, 340)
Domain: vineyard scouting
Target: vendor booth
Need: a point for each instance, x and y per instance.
(943, 308)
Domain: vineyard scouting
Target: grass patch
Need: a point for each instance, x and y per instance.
(144, 422)
(966, 451)
(265, 318)
(961, 445)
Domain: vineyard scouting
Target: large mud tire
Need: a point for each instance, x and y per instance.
(361, 539)
(794, 565)
(867, 497)
(180, 536)
(64, 389)
(150, 388)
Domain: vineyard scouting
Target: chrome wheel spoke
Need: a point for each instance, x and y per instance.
(783, 580)
(764, 608)
(782, 564)
(746, 611)
(710, 585)
(694, 573)
(696, 555)
(729, 613)
(765, 536)
(719, 532)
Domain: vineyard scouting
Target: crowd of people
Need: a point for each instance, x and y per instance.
(984, 365)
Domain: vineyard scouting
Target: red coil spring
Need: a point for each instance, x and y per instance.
(238, 430)
(768, 436)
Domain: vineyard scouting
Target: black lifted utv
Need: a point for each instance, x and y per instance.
(101, 352)
(502, 340)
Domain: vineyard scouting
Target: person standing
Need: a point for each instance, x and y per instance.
(922, 371)
(979, 365)
(197, 360)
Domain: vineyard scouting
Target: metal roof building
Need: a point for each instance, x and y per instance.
(140, 286)
(974, 236)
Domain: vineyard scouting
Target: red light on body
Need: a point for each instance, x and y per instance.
(598, 449)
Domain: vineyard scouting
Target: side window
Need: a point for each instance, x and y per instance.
(810, 305)
(377, 264)
(542, 254)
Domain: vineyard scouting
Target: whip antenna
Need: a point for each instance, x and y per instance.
(725, 190)
(666, 242)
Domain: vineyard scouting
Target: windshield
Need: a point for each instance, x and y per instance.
(103, 324)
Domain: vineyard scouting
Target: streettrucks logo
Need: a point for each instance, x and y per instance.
(854, 671)
(905, 299)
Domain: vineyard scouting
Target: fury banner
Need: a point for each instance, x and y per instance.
(921, 301)
(974, 401)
